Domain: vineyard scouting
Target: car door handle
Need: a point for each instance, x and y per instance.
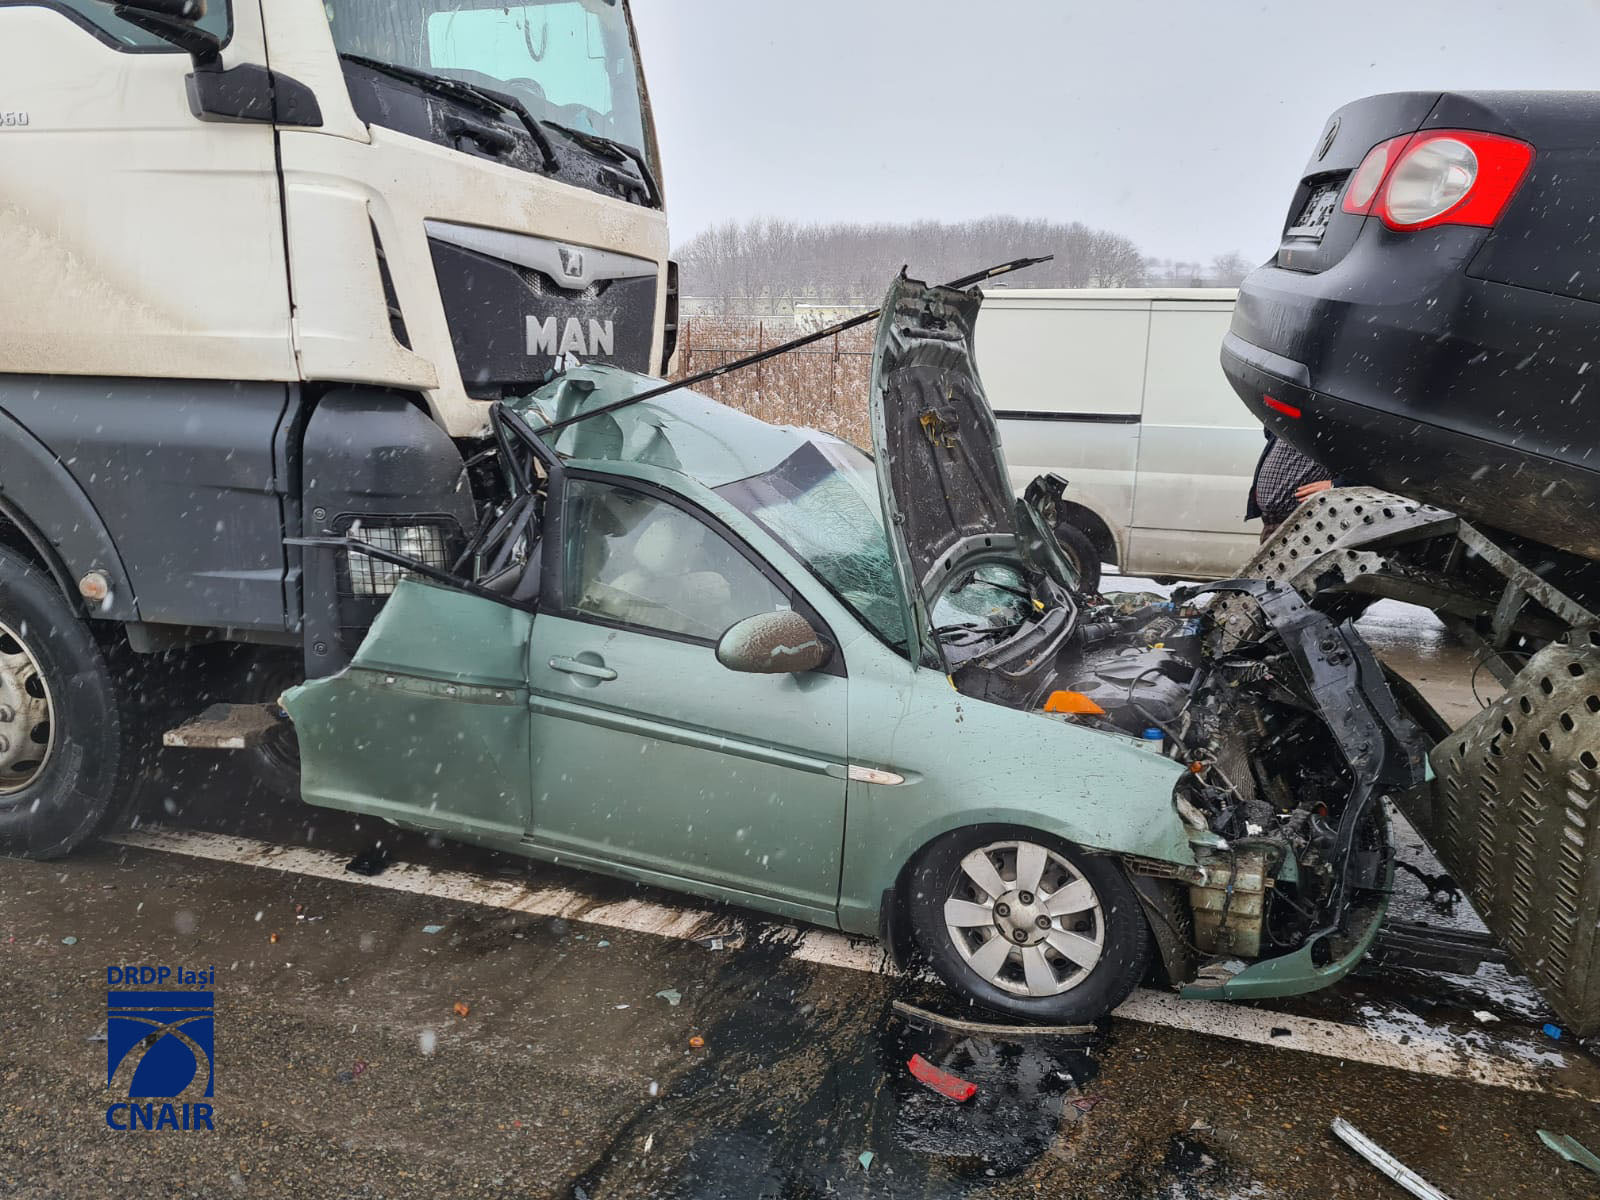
(573, 666)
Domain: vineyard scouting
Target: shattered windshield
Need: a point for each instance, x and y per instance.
(822, 503)
(570, 62)
(992, 597)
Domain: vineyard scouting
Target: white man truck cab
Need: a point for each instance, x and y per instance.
(267, 263)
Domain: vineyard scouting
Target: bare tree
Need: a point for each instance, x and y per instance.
(765, 266)
(1228, 270)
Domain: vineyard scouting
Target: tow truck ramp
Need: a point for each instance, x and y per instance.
(1512, 809)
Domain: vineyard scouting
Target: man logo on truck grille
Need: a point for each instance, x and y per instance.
(163, 1044)
(546, 336)
(571, 262)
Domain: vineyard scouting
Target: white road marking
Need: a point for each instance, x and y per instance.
(1332, 1039)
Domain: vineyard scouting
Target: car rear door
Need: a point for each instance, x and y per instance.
(649, 754)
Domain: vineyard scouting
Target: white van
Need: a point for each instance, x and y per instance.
(1120, 390)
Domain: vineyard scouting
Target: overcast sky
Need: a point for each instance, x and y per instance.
(1181, 123)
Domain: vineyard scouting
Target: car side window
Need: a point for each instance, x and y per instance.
(99, 19)
(640, 561)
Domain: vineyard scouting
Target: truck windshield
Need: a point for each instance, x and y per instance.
(570, 62)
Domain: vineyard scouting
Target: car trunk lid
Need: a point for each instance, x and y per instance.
(1317, 232)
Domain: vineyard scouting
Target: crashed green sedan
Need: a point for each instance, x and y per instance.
(757, 665)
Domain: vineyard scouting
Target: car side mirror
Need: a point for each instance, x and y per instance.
(773, 643)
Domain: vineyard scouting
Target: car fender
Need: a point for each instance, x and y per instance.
(964, 762)
(857, 915)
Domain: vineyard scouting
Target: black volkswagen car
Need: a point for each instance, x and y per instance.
(1430, 322)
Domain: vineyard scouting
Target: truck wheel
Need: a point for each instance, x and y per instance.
(1081, 553)
(1024, 924)
(65, 757)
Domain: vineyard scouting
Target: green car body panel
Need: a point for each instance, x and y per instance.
(678, 771)
(429, 724)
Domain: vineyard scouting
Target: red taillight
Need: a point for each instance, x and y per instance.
(1440, 177)
(1374, 169)
(1277, 405)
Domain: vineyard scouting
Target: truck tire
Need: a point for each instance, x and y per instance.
(1081, 553)
(66, 762)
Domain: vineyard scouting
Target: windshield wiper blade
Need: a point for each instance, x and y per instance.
(484, 99)
(617, 152)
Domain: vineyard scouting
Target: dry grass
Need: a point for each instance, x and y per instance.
(823, 386)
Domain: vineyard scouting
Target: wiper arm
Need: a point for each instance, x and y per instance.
(536, 128)
(484, 99)
(617, 152)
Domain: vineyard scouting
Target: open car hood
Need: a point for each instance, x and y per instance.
(947, 497)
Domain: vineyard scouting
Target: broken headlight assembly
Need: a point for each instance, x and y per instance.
(1292, 739)
(422, 541)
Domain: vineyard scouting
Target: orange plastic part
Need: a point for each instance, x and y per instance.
(1073, 702)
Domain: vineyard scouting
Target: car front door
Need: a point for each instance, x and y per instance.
(647, 752)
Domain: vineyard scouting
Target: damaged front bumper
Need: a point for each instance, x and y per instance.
(1309, 968)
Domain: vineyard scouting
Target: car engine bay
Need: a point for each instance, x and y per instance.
(1292, 740)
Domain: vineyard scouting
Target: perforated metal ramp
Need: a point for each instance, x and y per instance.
(1513, 813)
(1514, 817)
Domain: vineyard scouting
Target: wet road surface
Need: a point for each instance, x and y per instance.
(595, 1061)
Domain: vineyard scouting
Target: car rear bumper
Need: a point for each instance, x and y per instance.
(1398, 368)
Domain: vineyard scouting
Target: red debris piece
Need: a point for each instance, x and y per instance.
(943, 1082)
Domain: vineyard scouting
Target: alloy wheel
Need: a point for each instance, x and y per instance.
(1024, 919)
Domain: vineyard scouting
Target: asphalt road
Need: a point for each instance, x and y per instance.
(473, 1024)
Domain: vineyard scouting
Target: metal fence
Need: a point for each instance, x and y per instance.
(823, 386)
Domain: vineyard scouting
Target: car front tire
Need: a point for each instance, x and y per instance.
(1028, 925)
